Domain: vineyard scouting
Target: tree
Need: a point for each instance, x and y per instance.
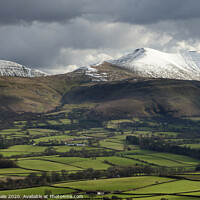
(64, 174)
(90, 142)
(47, 192)
(198, 168)
(50, 151)
(121, 131)
(92, 195)
(125, 147)
(27, 132)
(56, 176)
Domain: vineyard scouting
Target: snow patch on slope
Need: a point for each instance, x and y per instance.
(8, 68)
(92, 73)
(152, 63)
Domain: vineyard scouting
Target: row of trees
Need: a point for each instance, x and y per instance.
(7, 142)
(163, 146)
(72, 153)
(113, 172)
(5, 163)
(87, 153)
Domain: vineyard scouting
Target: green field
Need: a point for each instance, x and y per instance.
(115, 140)
(167, 133)
(43, 165)
(11, 130)
(67, 148)
(120, 160)
(121, 184)
(59, 122)
(178, 158)
(192, 118)
(65, 121)
(54, 122)
(41, 131)
(192, 146)
(95, 164)
(111, 145)
(37, 190)
(15, 171)
(83, 163)
(143, 132)
(65, 160)
(157, 161)
(169, 197)
(57, 137)
(12, 153)
(170, 188)
(119, 137)
(193, 193)
(153, 197)
(24, 149)
(166, 159)
(191, 176)
(138, 151)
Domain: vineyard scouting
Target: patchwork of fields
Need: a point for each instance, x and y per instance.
(63, 158)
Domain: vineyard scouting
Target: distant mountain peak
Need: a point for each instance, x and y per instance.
(148, 62)
(8, 68)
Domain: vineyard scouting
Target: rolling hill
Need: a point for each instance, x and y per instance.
(143, 83)
(8, 68)
(131, 97)
(141, 97)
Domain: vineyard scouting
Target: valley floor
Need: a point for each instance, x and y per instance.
(64, 153)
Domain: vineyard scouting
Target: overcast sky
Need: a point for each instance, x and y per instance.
(56, 36)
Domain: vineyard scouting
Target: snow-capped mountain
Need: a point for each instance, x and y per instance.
(8, 68)
(148, 62)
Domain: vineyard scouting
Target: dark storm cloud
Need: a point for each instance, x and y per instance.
(20, 11)
(130, 11)
(42, 44)
(152, 11)
(52, 34)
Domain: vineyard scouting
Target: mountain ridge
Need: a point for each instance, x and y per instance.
(112, 99)
(9, 68)
(150, 63)
(113, 91)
